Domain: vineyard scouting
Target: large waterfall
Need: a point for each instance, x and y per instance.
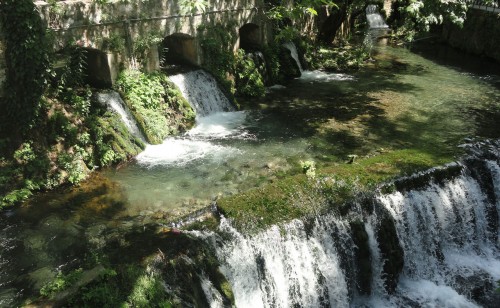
(375, 20)
(433, 242)
(202, 92)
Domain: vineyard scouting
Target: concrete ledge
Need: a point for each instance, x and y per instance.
(479, 34)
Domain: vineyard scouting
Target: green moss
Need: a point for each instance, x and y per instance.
(156, 104)
(362, 257)
(297, 196)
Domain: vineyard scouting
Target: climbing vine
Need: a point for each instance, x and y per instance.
(27, 64)
(217, 42)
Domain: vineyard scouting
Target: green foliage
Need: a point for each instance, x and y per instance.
(308, 168)
(280, 10)
(126, 286)
(27, 63)
(249, 81)
(272, 55)
(153, 101)
(142, 90)
(111, 140)
(217, 43)
(143, 45)
(343, 58)
(286, 34)
(412, 16)
(115, 43)
(60, 283)
(15, 197)
(192, 6)
(73, 166)
(148, 289)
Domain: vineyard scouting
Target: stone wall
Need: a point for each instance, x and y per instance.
(118, 26)
(101, 26)
(92, 24)
(479, 35)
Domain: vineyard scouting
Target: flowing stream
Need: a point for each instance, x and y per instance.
(430, 244)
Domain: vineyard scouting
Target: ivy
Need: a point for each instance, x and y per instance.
(27, 65)
(217, 42)
(249, 81)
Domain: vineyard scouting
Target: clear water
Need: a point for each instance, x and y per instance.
(403, 100)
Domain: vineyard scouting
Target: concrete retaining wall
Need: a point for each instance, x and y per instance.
(479, 35)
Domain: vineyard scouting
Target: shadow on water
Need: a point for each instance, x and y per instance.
(484, 68)
(387, 106)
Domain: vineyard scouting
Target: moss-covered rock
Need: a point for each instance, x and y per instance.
(362, 257)
(156, 104)
(391, 252)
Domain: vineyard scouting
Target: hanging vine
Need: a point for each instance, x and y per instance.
(27, 65)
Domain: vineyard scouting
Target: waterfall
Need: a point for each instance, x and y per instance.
(295, 55)
(115, 102)
(316, 75)
(435, 244)
(202, 92)
(288, 267)
(375, 20)
(213, 122)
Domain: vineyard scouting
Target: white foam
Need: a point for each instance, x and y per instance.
(220, 125)
(178, 152)
(324, 77)
(429, 294)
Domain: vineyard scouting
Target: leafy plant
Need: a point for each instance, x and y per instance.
(192, 6)
(142, 46)
(249, 81)
(149, 98)
(308, 168)
(27, 64)
(60, 283)
(217, 43)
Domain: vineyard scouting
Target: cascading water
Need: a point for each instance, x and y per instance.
(295, 55)
(202, 92)
(315, 76)
(375, 20)
(214, 120)
(115, 102)
(433, 245)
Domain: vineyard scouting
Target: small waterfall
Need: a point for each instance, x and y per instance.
(435, 244)
(288, 267)
(295, 55)
(202, 92)
(115, 102)
(375, 20)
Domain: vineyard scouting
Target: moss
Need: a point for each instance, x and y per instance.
(362, 257)
(156, 104)
(297, 196)
(391, 252)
